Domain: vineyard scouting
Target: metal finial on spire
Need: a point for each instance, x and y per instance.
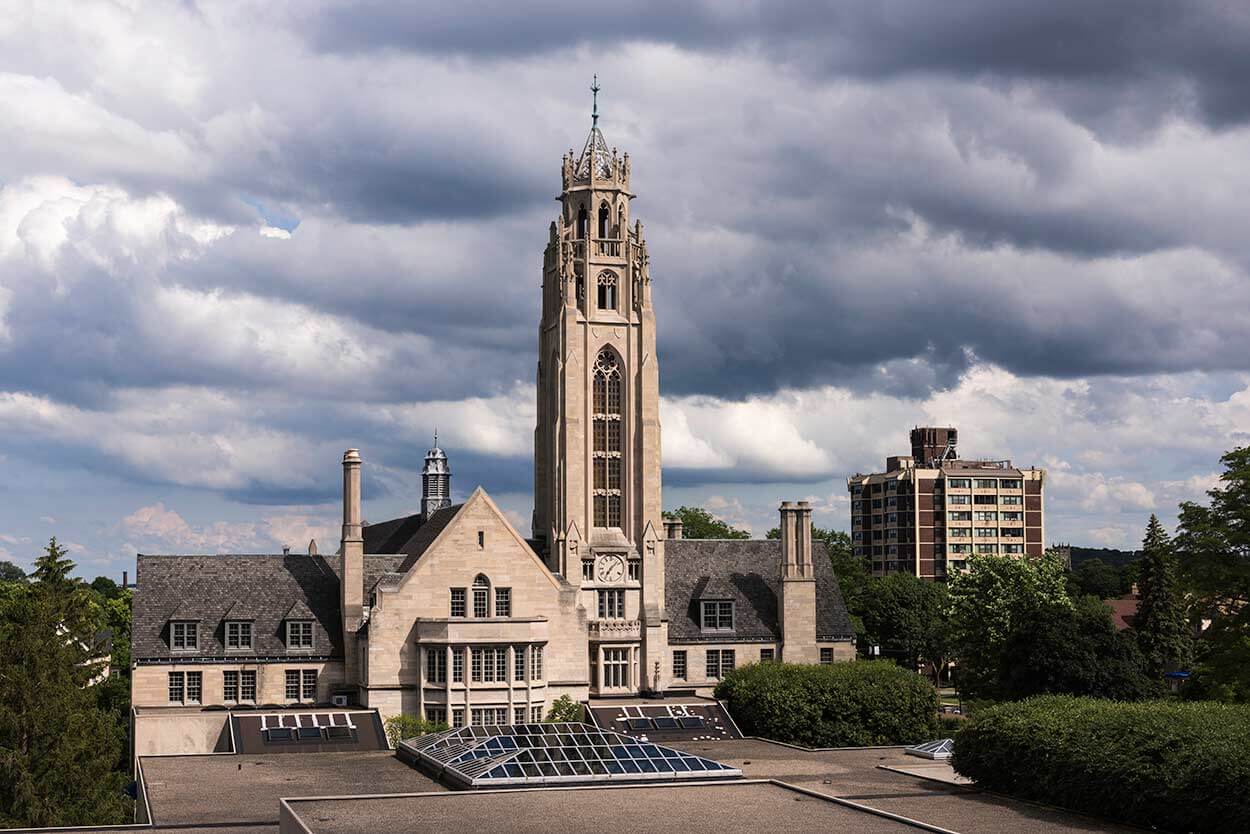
(594, 89)
(436, 436)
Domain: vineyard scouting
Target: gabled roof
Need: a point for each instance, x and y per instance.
(408, 536)
(748, 572)
(210, 588)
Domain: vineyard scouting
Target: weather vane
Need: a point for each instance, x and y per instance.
(594, 89)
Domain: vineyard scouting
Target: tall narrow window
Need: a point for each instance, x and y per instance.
(457, 602)
(607, 440)
(607, 291)
(481, 596)
(604, 216)
(582, 222)
(503, 602)
(229, 686)
(536, 665)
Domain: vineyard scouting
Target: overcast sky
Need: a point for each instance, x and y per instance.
(236, 239)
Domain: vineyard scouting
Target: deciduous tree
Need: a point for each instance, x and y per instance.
(698, 523)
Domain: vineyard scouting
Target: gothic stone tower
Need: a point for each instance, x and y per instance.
(597, 507)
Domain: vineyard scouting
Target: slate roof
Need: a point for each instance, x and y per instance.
(747, 571)
(208, 588)
(409, 535)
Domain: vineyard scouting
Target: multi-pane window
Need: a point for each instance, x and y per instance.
(1009, 483)
(489, 665)
(247, 685)
(588, 569)
(985, 515)
(719, 662)
(826, 656)
(1013, 516)
(457, 717)
(612, 604)
(481, 597)
(960, 516)
(536, 664)
(987, 483)
(679, 665)
(310, 685)
(1013, 548)
(959, 532)
(238, 635)
(1014, 500)
(490, 715)
(230, 686)
(635, 570)
(292, 684)
(607, 291)
(959, 483)
(959, 499)
(536, 714)
(987, 548)
(457, 665)
(718, 615)
(503, 602)
(766, 655)
(987, 532)
(606, 420)
(184, 636)
(186, 687)
(436, 665)
(299, 634)
(436, 715)
(518, 715)
(195, 687)
(457, 602)
(518, 673)
(615, 668)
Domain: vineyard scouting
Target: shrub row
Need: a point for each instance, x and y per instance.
(1176, 766)
(842, 705)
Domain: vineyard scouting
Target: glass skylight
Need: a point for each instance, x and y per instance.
(940, 749)
(538, 754)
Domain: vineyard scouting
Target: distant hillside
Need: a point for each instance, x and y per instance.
(1115, 558)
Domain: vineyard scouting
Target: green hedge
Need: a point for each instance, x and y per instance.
(842, 705)
(1171, 765)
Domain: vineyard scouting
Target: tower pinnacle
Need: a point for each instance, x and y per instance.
(594, 113)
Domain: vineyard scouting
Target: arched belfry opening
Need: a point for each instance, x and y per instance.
(607, 418)
(605, 220)
(582, 221)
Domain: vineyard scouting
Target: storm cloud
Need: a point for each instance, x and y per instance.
(237, 239)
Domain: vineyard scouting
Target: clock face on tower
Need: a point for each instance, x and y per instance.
(610, 569)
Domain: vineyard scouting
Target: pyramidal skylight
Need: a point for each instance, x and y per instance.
(539, 754)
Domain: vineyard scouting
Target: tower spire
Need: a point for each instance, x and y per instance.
(594, 113)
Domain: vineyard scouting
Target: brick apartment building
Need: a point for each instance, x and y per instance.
(928, 512)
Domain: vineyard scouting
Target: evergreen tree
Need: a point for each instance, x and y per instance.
(1213, 549)
(1161, 625)
(58, 750)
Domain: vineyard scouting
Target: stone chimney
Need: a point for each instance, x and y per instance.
(797, 608)
(351, 577)
(672, 528)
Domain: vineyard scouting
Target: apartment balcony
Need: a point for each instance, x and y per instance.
(604, 630)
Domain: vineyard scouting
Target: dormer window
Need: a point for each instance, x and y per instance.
(718, 615)
(184, 636)
(299, 634)
(239, 635)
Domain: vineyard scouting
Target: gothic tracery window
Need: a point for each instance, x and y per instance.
(607, 440)
(607, 291)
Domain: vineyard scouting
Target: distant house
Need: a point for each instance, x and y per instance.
(1124, 609)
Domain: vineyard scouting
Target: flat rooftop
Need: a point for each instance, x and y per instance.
(857, 775)
(224, 789)
(689, 809)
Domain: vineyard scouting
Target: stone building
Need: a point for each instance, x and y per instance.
(928, 512)
(449, 612)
